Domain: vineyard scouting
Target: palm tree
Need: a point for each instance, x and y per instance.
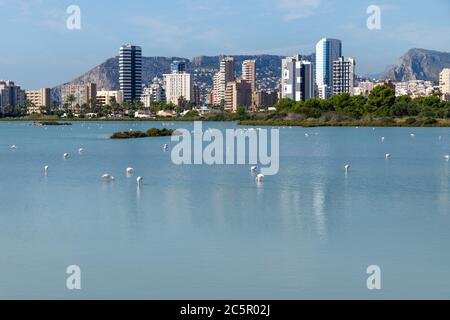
(70, 100)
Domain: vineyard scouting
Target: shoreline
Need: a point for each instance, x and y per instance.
(316, 124)
(394, 123)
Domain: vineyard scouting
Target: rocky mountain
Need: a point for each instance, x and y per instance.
(419, 64)
(106, 75)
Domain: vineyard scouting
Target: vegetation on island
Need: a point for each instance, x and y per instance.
(153, 132)
(50, 123)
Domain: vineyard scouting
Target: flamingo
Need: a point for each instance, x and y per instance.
(260, 178)
(107, 177)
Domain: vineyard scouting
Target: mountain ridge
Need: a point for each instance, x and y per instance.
(415, 64)
(106, 74)
(418, 64)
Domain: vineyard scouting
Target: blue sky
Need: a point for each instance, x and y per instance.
(36, 48)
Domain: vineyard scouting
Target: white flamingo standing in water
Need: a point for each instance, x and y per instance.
(347, 168)
(45, 169)
(13, 147)
(65, 155)
(107, 178)
(388, 156)
(260, 178)
(139, 181)
(130, 171)
(253, 169)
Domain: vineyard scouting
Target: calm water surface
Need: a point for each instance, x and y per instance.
(200, 232)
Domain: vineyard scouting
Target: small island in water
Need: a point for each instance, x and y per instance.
(50, 123)
(154, 132)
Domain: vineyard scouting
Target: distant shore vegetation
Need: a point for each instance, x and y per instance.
(380, 108)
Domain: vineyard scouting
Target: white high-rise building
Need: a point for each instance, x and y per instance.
(444, 84)
(327, 51)
(179, 86)
(344, 75)
(297, 79)
(225, 75)
(130, 72)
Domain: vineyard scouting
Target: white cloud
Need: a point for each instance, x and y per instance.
(297, 9)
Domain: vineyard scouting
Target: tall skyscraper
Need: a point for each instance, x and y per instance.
(297, 79)
(226, 74)
(130, 69)
(343, 75)
(327, 51)
(444, 84)
(249, 73)
(178, 66)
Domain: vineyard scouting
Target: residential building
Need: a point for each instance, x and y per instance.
(130, 72)
(249, 73)
(343, 75)
(225, 75)
(11, 96)
(179, 85)
(364, 88)
(444, 84)
(297, 79)
(196, 96)
(82, 95)
(209, 99)
(37, 99)
(154, 93)
(414, 88)
(264, 99)
(327, 51)
(104, 97)
(166, 113)
(238, 94)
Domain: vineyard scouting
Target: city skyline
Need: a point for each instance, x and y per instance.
(207, 28)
